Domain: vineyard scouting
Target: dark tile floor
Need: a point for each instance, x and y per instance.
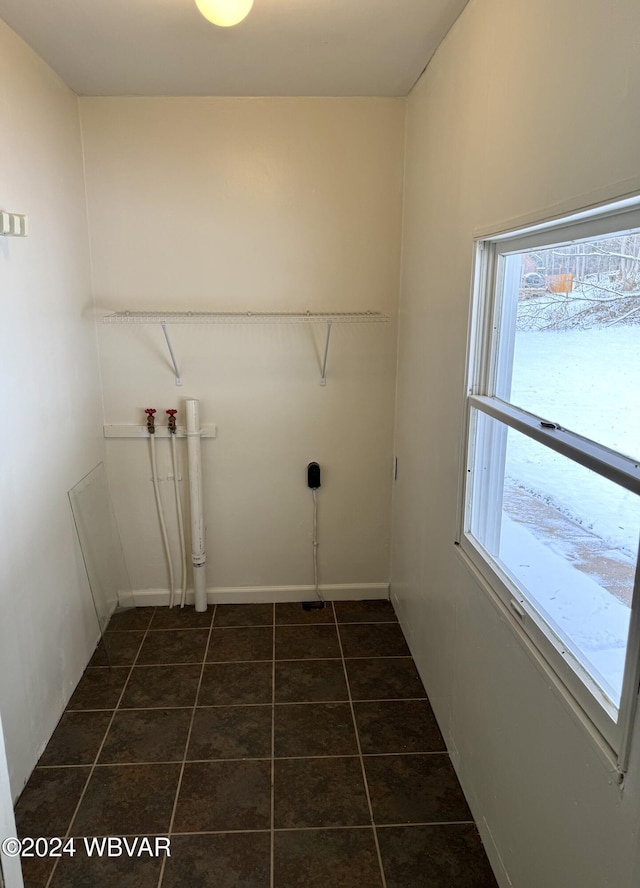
(275, 747)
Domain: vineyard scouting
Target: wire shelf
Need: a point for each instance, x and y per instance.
(163, 319)
(246, 317)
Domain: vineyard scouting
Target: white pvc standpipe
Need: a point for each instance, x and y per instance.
(183, 548)
(194, 459)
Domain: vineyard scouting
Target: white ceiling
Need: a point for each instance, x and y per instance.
(283, 48)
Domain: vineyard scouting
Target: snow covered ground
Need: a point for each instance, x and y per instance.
(589, 382)
(592, 622)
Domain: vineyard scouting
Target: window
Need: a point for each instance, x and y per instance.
(551, 512)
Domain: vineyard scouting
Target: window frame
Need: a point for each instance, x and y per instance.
(491, 253)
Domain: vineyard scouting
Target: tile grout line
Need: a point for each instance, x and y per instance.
(260, 626)
(322, 702)
(364, 773)
(367, 826)
(244, 758)
(174, 663)
(186, 747)
(283, 829)
(240, 705)
(68, 832)
(272, 837)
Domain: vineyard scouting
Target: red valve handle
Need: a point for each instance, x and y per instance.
(150, 411)
(172, 412)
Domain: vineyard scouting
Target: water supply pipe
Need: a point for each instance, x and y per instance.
(151, 428)
(194, 460)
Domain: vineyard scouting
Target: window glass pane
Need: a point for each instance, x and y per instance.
(569, 347)
(566, 536)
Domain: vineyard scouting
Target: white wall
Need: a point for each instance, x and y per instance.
(263, 205)
(50, 403)
(524, 107)
(10, 869)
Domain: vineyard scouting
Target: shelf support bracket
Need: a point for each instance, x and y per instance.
(323, 380)
(173, 357)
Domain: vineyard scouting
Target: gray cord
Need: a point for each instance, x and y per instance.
(315, 546)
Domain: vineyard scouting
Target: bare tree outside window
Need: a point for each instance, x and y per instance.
(580, 286)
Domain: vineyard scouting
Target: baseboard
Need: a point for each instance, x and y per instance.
(495, 858)
(270, 594)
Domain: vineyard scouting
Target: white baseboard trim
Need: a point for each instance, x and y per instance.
(495, 858)
(269, 594)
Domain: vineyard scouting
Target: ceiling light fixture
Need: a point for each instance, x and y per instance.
(224, 13)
